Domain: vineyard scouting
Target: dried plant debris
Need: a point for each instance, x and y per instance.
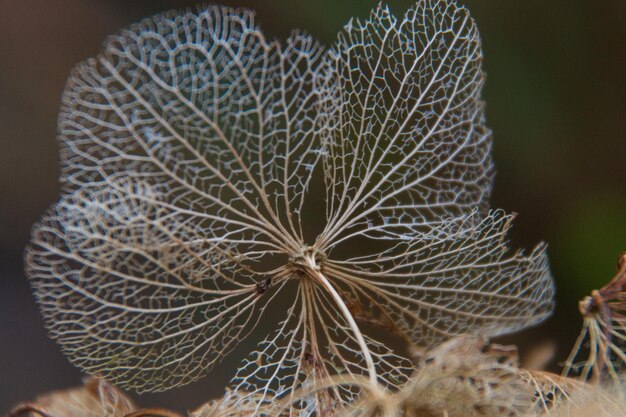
(592, 401)
(465, 377)
(96, 398)
(559, 396)
(460, 378)
(603, 336)
(550, 391)
(154, 412)
(231, 405)
(188, 147)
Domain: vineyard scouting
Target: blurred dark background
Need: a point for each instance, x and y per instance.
(556, 96)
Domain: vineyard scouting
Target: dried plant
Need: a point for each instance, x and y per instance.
(463, 377)
(232, 405)
(596, 401)
(550, 391)
(466, 378)
(95, 398)
(188, 148)
(603, 336)
(560, 396)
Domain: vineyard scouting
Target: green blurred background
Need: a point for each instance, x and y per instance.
(556, 101)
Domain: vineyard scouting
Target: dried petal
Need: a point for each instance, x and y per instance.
(96, 398)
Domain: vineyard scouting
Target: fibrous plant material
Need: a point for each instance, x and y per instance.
(551, 391)
(596, 401)
(463, 377)
(466, 378)
(188, 147)
(603, 336)
(232, 405)
(95, 398)
(560, 396)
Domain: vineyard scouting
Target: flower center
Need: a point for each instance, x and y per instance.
(306, 261)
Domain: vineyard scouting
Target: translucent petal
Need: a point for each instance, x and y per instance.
(136, 292)
(204, 106)
(186, 147)
(405, 122)
(456, 279)
(312, 345)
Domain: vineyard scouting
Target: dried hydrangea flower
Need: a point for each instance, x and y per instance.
(603, 336)
(189, 150)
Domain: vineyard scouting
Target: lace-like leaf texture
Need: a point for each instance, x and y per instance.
(191, 149)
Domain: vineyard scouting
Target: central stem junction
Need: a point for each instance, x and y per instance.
(308, 263)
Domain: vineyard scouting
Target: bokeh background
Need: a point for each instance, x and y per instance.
(556, 96)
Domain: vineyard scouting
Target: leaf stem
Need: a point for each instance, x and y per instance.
(321, 279)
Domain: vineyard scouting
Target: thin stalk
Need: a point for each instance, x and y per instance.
(321, 279)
